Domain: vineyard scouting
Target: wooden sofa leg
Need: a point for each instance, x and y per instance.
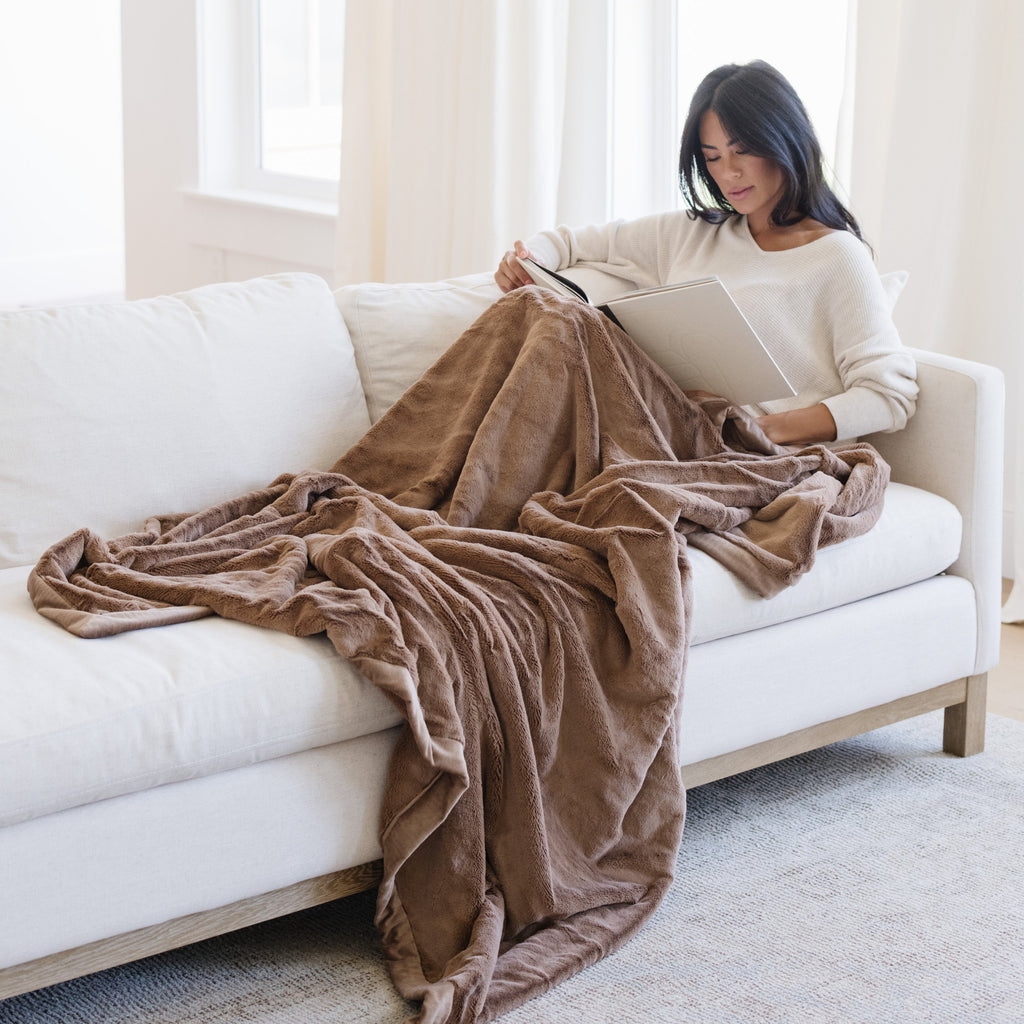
(963, 731)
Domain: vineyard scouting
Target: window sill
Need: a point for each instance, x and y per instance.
(251, 198)
(271, 226)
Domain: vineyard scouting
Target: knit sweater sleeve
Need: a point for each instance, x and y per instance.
(878, 375)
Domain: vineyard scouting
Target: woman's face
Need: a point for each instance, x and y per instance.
(752, 184)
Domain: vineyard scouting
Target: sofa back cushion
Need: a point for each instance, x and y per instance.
(111, 413)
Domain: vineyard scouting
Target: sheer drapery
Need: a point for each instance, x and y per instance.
(467, 124)
(937, 148)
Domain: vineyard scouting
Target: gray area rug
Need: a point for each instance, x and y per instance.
(877, 881)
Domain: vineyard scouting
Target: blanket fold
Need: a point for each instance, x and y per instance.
(504, 555)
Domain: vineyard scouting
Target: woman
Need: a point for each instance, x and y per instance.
(761, 217)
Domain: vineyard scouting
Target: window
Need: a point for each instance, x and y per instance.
(270, 84)
(301, 43)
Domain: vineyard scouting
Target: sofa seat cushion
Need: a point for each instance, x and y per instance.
(88, 719)
(111, 413)
(917, 536)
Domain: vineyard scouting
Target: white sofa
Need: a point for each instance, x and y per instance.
(165, 785)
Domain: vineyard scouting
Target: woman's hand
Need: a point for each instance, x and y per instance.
(799, 426)
(510, 274)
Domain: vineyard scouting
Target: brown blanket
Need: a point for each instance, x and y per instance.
(504, 555)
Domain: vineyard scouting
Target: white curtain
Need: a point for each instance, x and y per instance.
(468, 124)
(937, 151)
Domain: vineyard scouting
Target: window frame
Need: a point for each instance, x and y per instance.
(230, 116)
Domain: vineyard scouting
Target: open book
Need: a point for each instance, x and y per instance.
(694, 331)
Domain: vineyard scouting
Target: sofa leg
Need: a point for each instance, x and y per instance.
(963, 732)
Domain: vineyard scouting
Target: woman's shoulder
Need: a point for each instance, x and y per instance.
(809, 230)
(846, 248)
(835, 250)
(795, 236)
(844, 266)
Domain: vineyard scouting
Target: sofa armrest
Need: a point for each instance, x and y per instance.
(953, 447)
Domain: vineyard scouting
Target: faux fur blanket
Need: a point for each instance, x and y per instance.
(504, 554)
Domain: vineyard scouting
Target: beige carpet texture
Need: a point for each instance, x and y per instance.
(876, 881)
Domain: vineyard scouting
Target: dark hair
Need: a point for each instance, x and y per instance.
(758, 108)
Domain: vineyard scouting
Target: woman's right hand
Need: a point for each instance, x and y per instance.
(510, 274)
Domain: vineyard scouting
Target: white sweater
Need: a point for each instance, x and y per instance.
(820, 309)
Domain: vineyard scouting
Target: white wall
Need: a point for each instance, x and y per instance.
(61, 213)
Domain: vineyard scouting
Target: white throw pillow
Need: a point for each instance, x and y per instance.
(111, 413)
(400, 330)
(894, 282)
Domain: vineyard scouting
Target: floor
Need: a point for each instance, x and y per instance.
(1006, 680)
